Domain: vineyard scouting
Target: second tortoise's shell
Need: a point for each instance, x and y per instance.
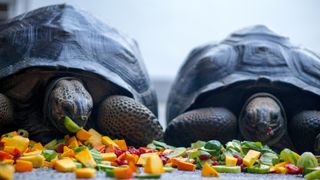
(60, 40)
(250, 60)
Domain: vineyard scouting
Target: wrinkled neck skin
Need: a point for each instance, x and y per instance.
(67, 97)
(262, 119)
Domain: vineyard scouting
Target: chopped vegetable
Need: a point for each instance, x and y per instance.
(86, 158)
(208, 171)
(227, 169)
(123, 173)
(83, 135)
(85, 173)
(307, 160)
(36, 160)
(259, 169)
(231, 161)
(177, 152)
(313, 175)
(153, 165)
(65, 165)
(23, 166)
(251, 157)
(6, 171)
(18, 141)
(70, 125)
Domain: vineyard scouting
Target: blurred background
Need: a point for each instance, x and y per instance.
(167, 30)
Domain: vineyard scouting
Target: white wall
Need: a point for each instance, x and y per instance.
(167, 30)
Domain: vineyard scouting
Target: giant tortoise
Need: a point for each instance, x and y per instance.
(58, 61)
(254, 85)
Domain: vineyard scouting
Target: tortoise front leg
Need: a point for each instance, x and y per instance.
(202, 124)
(123, 117)
(304, 130)
(6, 112)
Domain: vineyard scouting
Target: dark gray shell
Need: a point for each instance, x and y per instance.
(60, 40)
(251, 60)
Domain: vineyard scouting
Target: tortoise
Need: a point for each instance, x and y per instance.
(254, 85)
(58, 61)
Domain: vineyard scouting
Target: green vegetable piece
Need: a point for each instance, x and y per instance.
(168, 169)
(109, 172)
(251, 145)
(194, 154)
(309, 170)
(227, 169)
(313, 175)
(105, 167)
(78, 165)
(23, 133)
(180, 151)
(151, 146)
(51, 145)
(289, 156)
(49, 154)
(198, 144)
(70, 125)
(260, 169)
(96, 155)
(213, 145)
(160, 145)
(78, 149)
(147, 176)
(235, 145)
(307, 160)
(269, 158)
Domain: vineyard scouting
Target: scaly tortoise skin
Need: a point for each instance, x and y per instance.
(58, 61)
(254, 85)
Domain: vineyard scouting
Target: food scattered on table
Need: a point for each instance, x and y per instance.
(86, 152)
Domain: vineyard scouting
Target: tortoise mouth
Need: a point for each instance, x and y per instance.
(262, 119)
(67, 97)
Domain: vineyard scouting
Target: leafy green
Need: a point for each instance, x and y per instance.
(268, 158)
(160, 145)
(51, 145)
(49, 155)
(235, 145)
(213, 145)
(198, 144)
(194, 154)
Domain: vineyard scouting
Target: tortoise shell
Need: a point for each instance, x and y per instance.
(250, 60)
(58, 41)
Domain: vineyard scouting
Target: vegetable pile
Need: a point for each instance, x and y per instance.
(86, 152)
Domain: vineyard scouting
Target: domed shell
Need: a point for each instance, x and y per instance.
(251, 60)
(60, 38)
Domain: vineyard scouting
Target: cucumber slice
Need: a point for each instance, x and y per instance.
(263, 169)
(313, 175)
(51, 145)
(168, 169)
(227, 169)
(309, 170)
(177, 152)
(147, 176)
(78, 165)
(70, 125)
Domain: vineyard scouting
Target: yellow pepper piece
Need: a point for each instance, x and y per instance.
(37, 160)
(208, 171)
(6, 171)
(230, 161)
(85, 173)
(86, 158)
(18, 141)
(153, 165)
(251, 158)
(107, 141)
(65, 165)
(108, 156)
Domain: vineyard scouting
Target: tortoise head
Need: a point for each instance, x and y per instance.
(68, 97)
(262, 119)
